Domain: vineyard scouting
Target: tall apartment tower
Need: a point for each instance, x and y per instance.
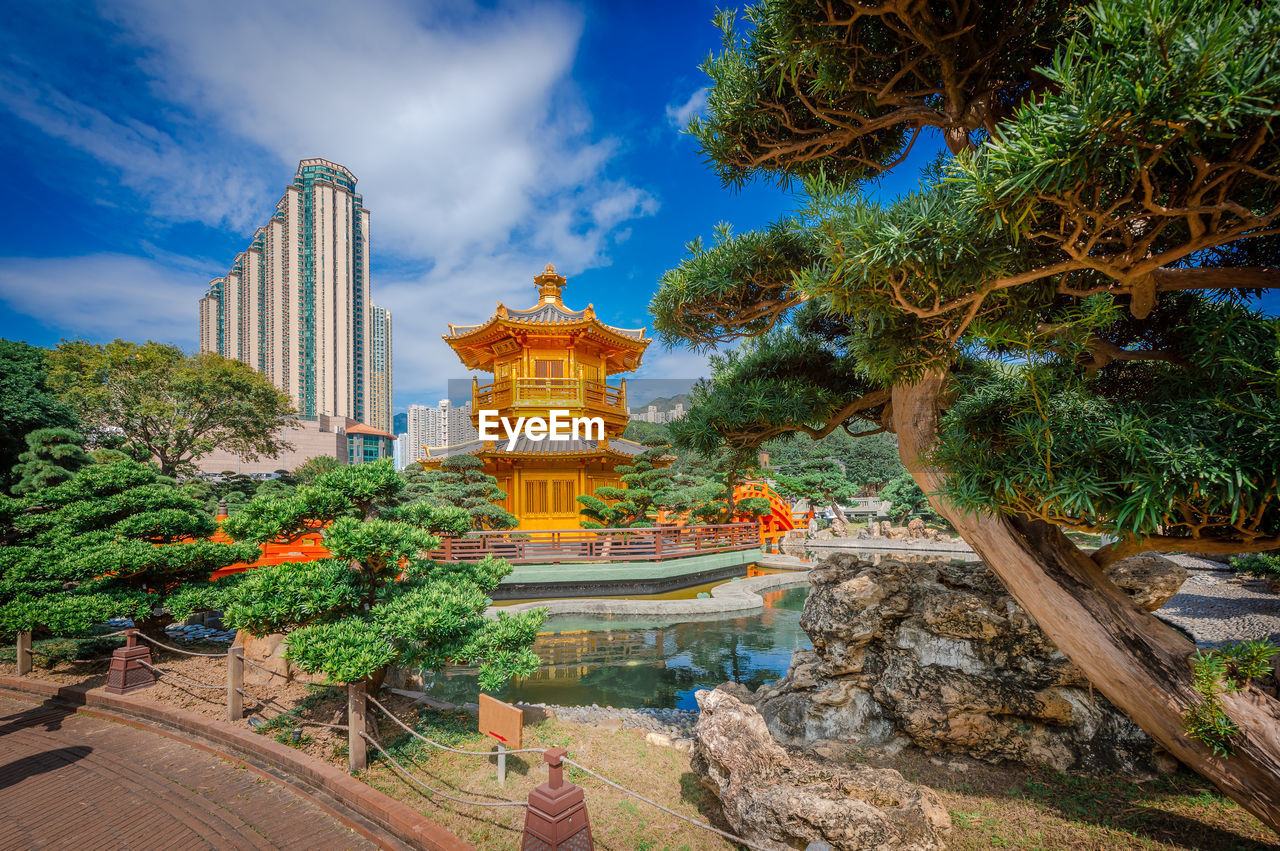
(443, 425)
(380, 394)
(296, 305)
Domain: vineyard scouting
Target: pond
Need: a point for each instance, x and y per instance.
(619, 662)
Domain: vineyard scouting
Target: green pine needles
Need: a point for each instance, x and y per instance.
(378, 602)
(1225, 670)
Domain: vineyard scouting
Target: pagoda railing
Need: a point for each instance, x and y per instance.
(549, 393)
(549, 546)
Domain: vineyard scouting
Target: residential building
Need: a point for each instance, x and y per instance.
(296, 306)
(380, 396)
(442, 425)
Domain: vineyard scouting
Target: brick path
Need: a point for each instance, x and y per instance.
(78, 781)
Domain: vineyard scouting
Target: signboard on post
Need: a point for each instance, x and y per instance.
(506, 724)
(502, 721)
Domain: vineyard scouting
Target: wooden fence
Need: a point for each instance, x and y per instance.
(548, 546)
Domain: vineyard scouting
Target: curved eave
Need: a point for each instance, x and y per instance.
(499, 328)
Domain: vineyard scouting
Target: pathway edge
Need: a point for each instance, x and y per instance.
(362, 805)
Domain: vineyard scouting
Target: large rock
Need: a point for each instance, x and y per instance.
(1150, 578)
(769, 794)
(939, 655)
(270, 665)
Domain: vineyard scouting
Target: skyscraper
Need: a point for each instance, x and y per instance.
(443, 425)
(380, 367)
(296, 303)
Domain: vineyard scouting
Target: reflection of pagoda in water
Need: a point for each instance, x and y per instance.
(543, 358)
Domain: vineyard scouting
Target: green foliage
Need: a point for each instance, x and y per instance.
(1136, 449)
(1226, 670)
(116, 539)
(649, 486)
(53, 455)
(378, 602)
(1263, 565)
(174, 406)
(820, 482)
(29, 404)
(315, 467)
(907, 500)
(461, 482)
(869, 461)
(804, 86)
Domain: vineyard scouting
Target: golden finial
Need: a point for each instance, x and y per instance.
(549, 285)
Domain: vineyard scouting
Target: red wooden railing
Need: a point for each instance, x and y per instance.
(547, 546)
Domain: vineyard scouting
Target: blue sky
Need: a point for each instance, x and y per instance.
(145, 140)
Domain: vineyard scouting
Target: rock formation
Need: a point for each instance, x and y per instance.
(939, 655)
(769, 794)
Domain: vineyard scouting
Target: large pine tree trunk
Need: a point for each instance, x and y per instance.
(1140, 663)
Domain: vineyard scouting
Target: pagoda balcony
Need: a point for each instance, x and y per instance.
(539, 395)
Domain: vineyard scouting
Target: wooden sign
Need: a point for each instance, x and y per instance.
(502, 721)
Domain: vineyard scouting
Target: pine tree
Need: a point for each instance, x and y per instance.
(377, 602)
(53, 455)
(462, 482)
(1053, 324)
(648, 489)
(116, 539)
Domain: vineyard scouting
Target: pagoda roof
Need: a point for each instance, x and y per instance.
(524, 446)
(549, 315)
(543, 315)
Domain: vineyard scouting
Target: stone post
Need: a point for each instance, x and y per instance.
(235, 682)
(127, 673)
(357, 759)
(556, 817)
(24, 652)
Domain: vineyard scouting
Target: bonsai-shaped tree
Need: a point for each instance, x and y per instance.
(1053, 325)
(53, 455)
(907, 500)
(821, 482)
(377, 602)
(315, 467)
(114, 540)
(648, 489)
(461, 482)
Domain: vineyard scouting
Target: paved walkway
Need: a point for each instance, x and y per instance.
(77, 781)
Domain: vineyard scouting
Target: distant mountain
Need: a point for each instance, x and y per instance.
(400, 423)
(663, 403)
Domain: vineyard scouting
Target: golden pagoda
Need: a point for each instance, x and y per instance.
(544, 358)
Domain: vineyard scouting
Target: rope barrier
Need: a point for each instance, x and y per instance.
(416, 734)
(151, 640)
(179, 678)
(401, 770)
(285, 714)
(669, 811)
(254, 664)
(729, 836)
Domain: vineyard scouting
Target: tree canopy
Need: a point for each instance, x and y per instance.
(174, 406)
(53, 455)
(1054, 325)
(115, 539)
(649, 486)
(461, 482)
(29, 403)
(378, 601)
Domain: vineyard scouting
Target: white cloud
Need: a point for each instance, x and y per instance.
(471, 146)
(102, 296)
(678, 114)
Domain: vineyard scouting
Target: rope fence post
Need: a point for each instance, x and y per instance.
(24, 652)
(131, 667)
(357, 758)
(235, 683)
(557, 814)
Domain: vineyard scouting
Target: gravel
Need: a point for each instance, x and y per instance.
(676, 723)
(1217, 606)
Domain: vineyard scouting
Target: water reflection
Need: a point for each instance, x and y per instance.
(617, 662)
